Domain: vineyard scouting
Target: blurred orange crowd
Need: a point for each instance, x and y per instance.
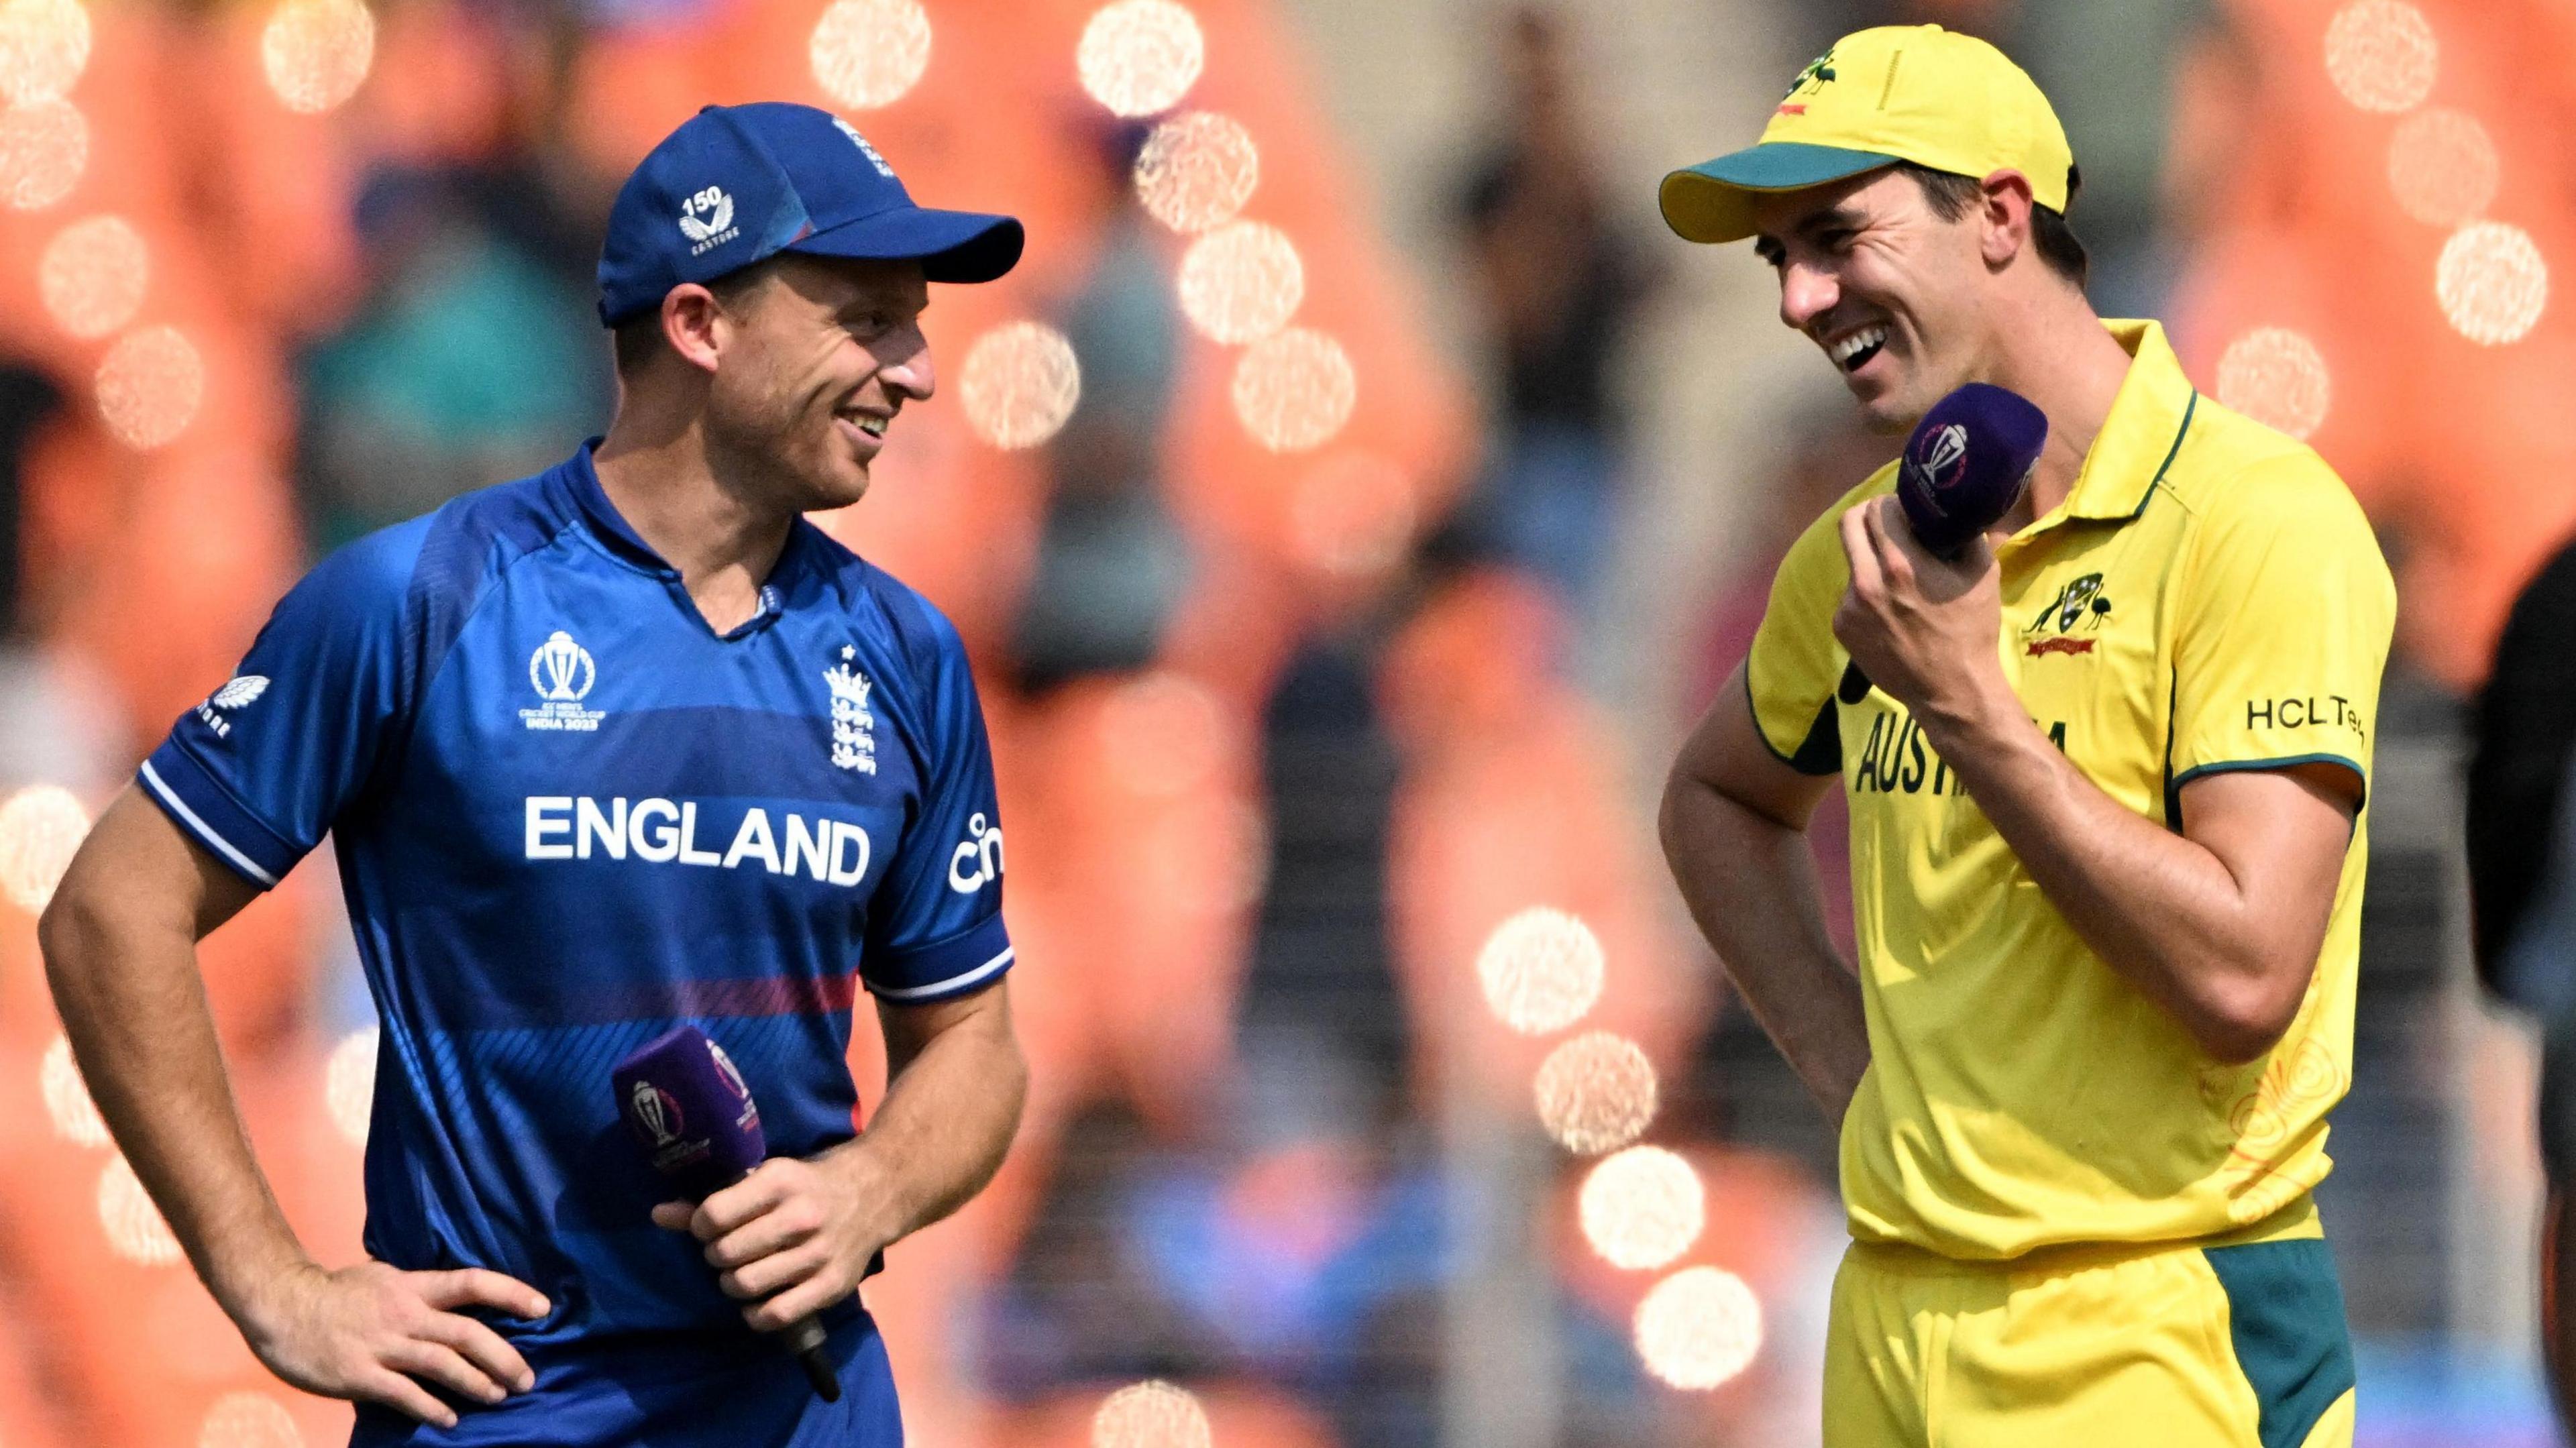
(204, 230)
(180, 200)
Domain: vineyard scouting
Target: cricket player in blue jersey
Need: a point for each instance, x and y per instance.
(621, 745)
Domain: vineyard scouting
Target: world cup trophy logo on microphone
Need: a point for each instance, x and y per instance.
(1938, 463)
(750, 1115)
(653, 1109)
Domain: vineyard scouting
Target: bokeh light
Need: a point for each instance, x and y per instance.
(135, 1230)
(1294, 390)
(1541, 970)
(1352, 515)
(870, 53)
(2492, 282)
(44, 47)
(41, 828)
(2381, 54)
(93, 274)
(67, 1100)
(1596, 1093)
(1151, 1414)
(1138, 57)
(1021, 381)
(1196, 171)
(1241, 282)
(1698, 1328)
(349, 1083)
(1642, 1208)
(1163, 734)
(317, 52)
(44, 148)
(2442, 166)
(249, 1420)
(150, 385)
(2276, 377)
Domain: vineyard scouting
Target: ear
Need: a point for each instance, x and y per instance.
(2003, 215)
(695, 325)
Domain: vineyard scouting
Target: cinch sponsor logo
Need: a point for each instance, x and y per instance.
(661, 831)
(977, 861)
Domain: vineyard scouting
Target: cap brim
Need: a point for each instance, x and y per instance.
(1713, 201)
(952, 246)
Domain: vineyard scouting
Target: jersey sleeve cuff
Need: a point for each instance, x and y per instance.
(209, 814)
(2173, 790)
(959, 965)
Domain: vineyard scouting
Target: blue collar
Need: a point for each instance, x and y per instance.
(581, 478)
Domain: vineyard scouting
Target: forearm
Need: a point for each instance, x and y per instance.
(1751, 886)
(134, 1007)
(2163, 911)
(945, 1124)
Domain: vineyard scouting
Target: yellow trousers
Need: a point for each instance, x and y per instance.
(2154, 1347)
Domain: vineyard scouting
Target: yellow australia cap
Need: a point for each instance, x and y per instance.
(1895, 93)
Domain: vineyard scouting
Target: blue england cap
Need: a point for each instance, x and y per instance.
(739, 184)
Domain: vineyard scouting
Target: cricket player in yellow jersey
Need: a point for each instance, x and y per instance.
(2106, 774)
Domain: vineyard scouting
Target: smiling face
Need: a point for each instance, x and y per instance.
(1894, 295)
(818, 358)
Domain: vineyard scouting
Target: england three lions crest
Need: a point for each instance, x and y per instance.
(854, 729)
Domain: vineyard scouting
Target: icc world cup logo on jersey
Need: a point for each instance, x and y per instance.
(561, 670)
(562, 673)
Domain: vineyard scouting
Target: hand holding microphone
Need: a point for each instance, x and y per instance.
(1967, 463)
(766, 1223)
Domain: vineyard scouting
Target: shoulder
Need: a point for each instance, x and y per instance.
(368, 577)
(2233, 469)
(878, 601)
(473, 538)
(2258, 497)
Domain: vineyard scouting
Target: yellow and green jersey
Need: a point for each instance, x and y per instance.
(2208, 597)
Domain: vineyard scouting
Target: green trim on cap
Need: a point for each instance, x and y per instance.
(1712, 202)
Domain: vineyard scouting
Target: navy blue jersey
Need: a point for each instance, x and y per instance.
(568, 816)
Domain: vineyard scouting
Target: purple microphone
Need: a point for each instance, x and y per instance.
(693, 1114)
(1966, 465)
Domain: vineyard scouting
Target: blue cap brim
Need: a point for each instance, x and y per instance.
(1713, 201)
(952, 246)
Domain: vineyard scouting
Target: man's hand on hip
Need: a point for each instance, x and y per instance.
(366, 1332)
(1923, 628)
(793, 1237)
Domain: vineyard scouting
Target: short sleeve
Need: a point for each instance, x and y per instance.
(258, 772)
(1795, 665)
(935, 924)
(2283, 629)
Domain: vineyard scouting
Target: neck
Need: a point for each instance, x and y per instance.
(668, 485)
(2058, 354)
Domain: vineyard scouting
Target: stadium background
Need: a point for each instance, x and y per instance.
(1348, 504)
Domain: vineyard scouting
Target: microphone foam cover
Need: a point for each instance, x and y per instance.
(690, 1110)
(1967, 463)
